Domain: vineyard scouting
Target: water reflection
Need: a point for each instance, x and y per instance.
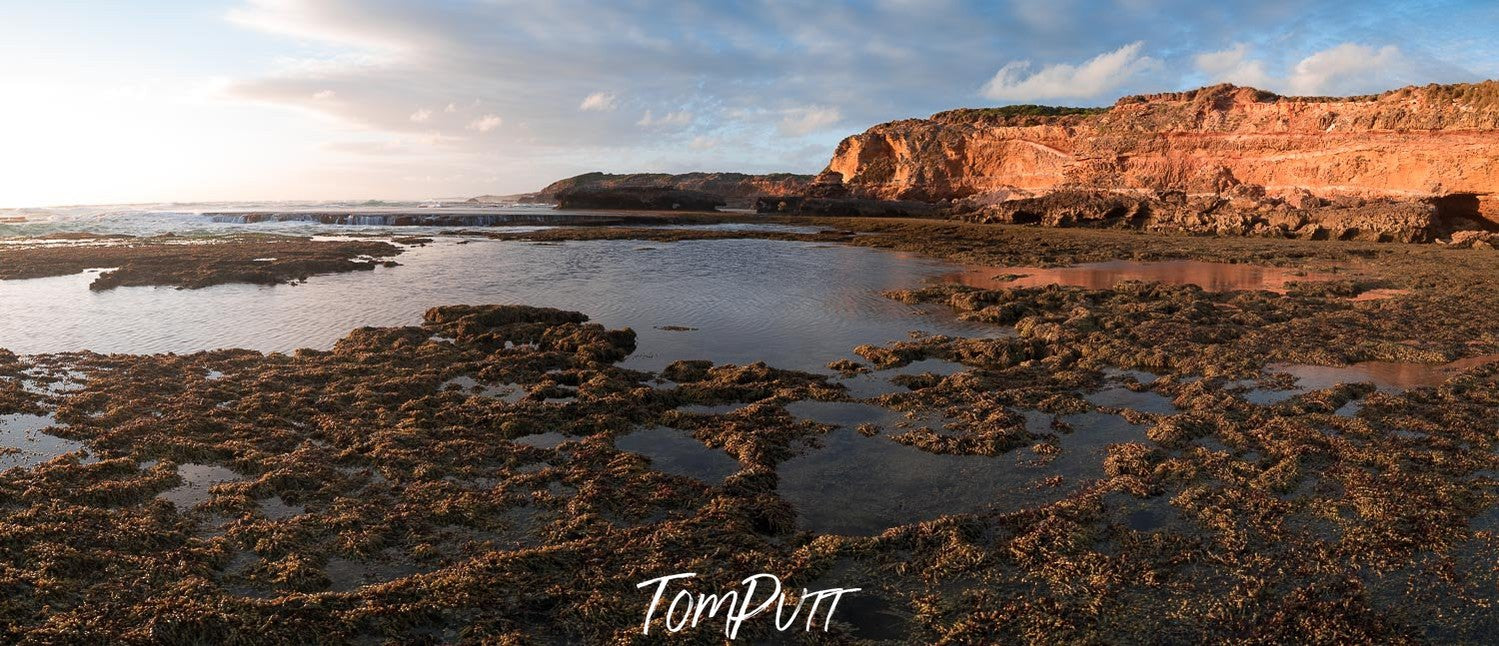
(751, 300)
(197, 479)
(1211, 276)
(675, 452)
(879, 382)
(24, 444)
(849, 414)
(858, 485)
(1388, 376)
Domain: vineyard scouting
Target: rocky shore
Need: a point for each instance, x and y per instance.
(466, 478)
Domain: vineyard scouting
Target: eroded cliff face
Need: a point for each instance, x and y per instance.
(1438, 145)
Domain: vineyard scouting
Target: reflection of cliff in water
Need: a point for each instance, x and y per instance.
(1212, 276)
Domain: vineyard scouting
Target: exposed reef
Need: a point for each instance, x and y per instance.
(479, 476)
(193, 263)
(381, 491)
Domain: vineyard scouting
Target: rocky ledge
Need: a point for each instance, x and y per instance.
(638, 198)
(1413, 164)
(847, 206)
(1240, 213)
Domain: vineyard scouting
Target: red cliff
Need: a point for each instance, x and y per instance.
(1174, 159)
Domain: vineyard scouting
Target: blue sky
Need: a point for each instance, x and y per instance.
(308, 99)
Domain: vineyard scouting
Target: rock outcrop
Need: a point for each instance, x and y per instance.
(736, 188)
(847, 207)
(1175, 211)
(637, 199)
(1422, 160)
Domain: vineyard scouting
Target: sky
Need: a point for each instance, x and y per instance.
(221, 100)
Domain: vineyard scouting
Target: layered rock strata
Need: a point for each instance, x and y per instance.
(1409, 164)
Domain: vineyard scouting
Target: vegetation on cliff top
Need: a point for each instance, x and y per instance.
(1021, 111)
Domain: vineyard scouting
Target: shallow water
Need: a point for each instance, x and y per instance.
(509, 393)
(24, 433)
(197, 480)
(547, 440)
(1120, 397)
(878, 382)
(675, 452)
(749, 300)
(847, 414)
(857, 485)
(1386, 375)
(276, 508)
(1211, 276)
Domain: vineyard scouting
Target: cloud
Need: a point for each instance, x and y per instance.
(677, 118)
(1344, 69)
(1094, 78)
(598, 102)
(422, 115)
(674, 73)
(324, 95)
(803, 121)
(486, 123)
(1232, 65)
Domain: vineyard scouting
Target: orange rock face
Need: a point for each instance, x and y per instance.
(1438, 143)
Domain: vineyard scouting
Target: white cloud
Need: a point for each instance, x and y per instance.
(678, 118)
(1233, 65)
(1347, 68)
(703, 143)
(486, 123)
(1092, 79)
(802, 121)
(324, 95)
(422, 115)
(599, 101)
(452, 107)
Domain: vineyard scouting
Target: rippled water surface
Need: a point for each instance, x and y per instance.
(792, 305)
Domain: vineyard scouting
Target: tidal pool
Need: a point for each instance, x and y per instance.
(197, 479)
(857, 485)
(675, 452)
(23, 442)
(792, 305)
